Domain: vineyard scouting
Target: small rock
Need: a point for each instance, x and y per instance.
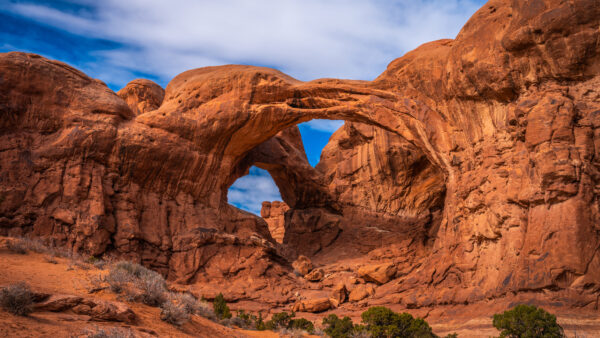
(315, 276)
(303, 265)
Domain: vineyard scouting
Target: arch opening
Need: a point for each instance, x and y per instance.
(371, 188)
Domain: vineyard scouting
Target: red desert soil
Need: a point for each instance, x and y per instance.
(64, 278)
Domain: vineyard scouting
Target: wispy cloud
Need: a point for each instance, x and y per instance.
(304, 38)
(250, 191)
(327, 126)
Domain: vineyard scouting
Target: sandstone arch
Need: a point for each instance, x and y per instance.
(508, 111)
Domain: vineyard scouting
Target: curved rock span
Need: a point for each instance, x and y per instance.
(467, 171)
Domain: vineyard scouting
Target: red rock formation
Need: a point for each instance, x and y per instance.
(492, 140)
(274, 214)
(142, 95)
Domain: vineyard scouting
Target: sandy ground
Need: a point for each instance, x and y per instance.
(43, 276)
(66, 278)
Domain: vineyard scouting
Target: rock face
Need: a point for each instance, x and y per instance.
(471, 165)
(142, 95)
(274, 214)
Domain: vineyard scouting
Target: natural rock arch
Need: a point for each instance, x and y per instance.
(508, 111)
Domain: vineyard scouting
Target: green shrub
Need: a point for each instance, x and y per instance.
(301, 324)
(382, 322)
(220, 307)
(525, 321)
(248, 320)
(279, 321)
(260, 324)
(338, 328)
(17, 299)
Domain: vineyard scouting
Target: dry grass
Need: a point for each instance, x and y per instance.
(174, 313)
(17, 299)
(113, 332)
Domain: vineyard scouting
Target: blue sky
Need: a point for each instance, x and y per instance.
(117, 41)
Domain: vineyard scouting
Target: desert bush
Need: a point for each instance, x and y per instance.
(96, 262)
(189, 302)
(17, 246)
(382, 322)
(279, 321)
(174, 313)
(17, 299)
(260, 323)
(113, 332)
(154, 289)
(527, 321)
(220, 307)
(117, 280)
(338, 328)
(237, 321)
(205, 310)
(249, 320)
(292, 333)
(302, 324)
(360, 333)
(126, 275)
(133, 269)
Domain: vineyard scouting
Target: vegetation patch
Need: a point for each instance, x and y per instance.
(17, 299)
(525, 321)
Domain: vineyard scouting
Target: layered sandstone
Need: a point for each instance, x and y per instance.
(274, 214)
(470, 166)
(142, 95)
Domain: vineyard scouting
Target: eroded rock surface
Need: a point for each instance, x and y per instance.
(274, 214)
(470, 165)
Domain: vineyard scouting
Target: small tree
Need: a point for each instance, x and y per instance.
(260, 324)
(302, 324)
(527, 321)
(279, 321)
(338, 328)
(220, 307)
(382, 322)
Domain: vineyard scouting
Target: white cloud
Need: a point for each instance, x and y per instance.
(250, 191)
(305, 38)
(328, 126)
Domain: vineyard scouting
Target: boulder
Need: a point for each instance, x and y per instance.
(339, 293)
(302, 265)
(312, 305)
(378, 273)
(361, 292)
(315, 275)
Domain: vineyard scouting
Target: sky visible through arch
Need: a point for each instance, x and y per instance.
(117, 41)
